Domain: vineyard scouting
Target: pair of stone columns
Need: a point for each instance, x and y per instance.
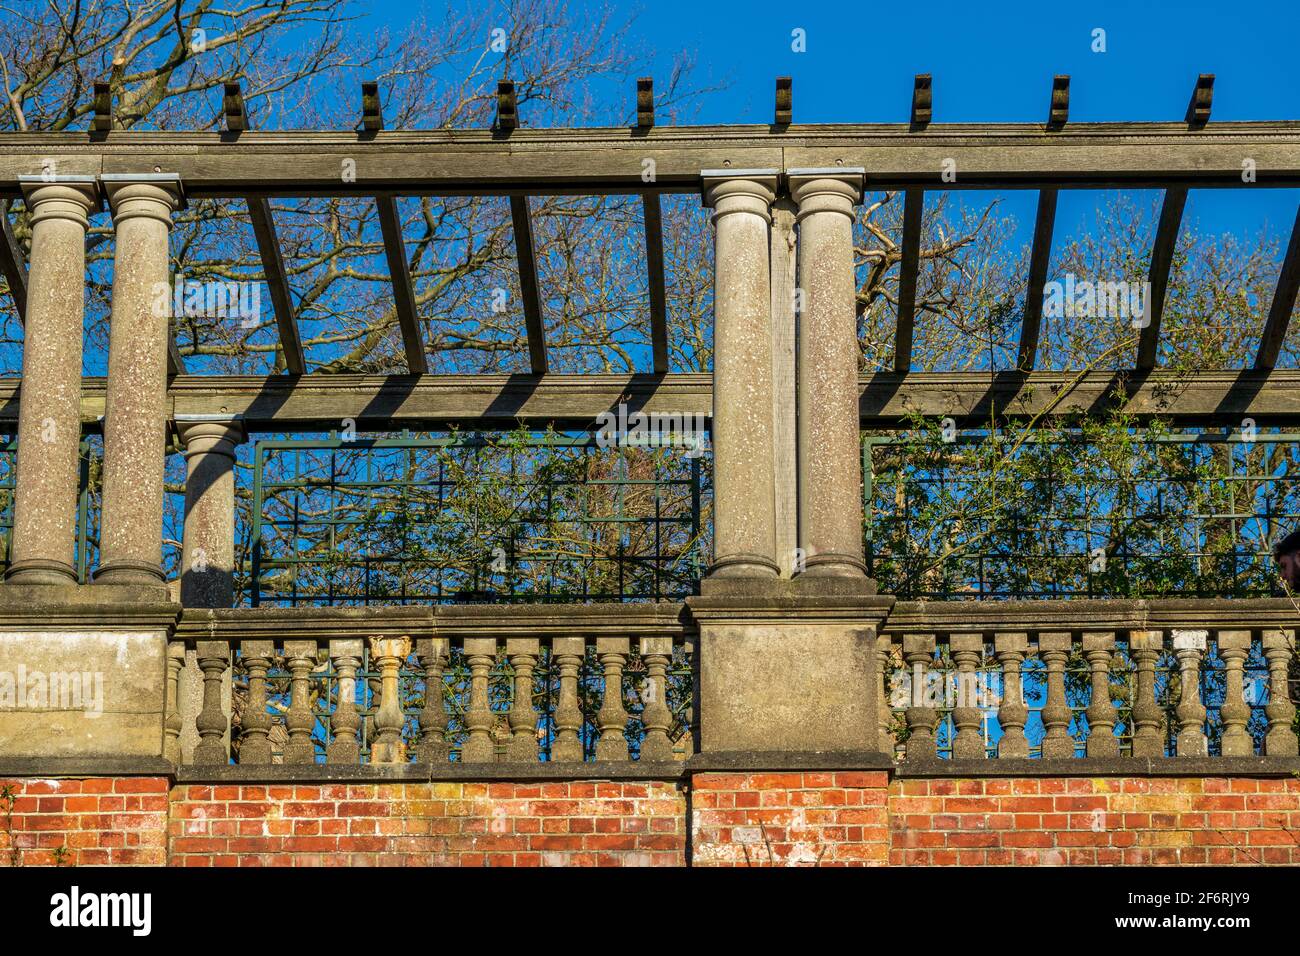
(747, 403)
(135, 423)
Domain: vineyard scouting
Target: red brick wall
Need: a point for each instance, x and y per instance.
(789, 819)
(574, 823)
(1095, 821)
(119, 821)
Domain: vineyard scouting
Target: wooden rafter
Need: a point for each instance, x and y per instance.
(528, 286)
(1039, 257)
(1162, 258)
(403, 295)
(1284, 298)
(913, 205)
(277, 281)
(654, 257)
(12, 264)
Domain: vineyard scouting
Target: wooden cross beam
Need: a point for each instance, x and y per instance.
(12, 264)
(1058, 110)
(390, 224)
(1162, 258)
(236, 113)
(921, 101)
(102, 121)
(645, 102)
(507, 106)
(784, 101)
(277, 281)
(1198, 110)
(654, 257)
(1284, 297)
(372, 116)
(528, 286)
(1039, 257)
(913, 205)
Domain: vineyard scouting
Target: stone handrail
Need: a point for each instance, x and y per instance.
(1058, 679)
(347, 686)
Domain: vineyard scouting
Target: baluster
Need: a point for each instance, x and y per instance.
(389, 653)
(568, 653)
(172, 722)
(523, 653)
(1234, 646)
(1098, 649)
(255, 737)
(300, 657)
(480, 655)
(1012, 712)
(1189, 647)
(213, 658)
(433, 746)
(612, 718)
(1148, 718)
(1280, 741)
(346, 745)
(1054, 649)
(885, 715)
(684, 747)
(968, 654)
(657, 652)
(918, 651)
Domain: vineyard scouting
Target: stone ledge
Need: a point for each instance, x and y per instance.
(423, 772)
(57, 767)
(1103, 767)
(732, 761)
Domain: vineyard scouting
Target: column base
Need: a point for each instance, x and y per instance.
(744, 566)
(41, 571)
(829, 564)
(130, 572)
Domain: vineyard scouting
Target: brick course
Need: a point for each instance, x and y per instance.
(103, 821)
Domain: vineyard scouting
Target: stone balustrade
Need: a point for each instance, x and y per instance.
(1088, 679)
(607, 688)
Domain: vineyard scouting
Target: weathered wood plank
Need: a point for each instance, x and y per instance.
(1039, 257)
(403, 295)
(319, 402)
(654, 257)
(528, 287)
(1162, 258)
(13, 265)
(1284, 297)
(277, 281)
(913, 205)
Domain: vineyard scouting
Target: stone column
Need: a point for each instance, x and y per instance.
(208, 561)
(135, 418)
(830, 444)
(43, 546)
(744, 499)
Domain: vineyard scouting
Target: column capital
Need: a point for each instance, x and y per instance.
(202, 436)
(151, 195)
(740, 190)
(835, 189)
(61, 197)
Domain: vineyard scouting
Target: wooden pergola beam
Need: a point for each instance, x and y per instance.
(526, 255)
(278, 403)
(1162, 258)
(13, 265)
(913, 205)
(610, 160)
(277, 281)
(1039, 257)
(654, 257)
(1284, 297)
(403, 295)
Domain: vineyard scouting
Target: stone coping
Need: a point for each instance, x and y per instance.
(423, 772)
(1103, 767)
